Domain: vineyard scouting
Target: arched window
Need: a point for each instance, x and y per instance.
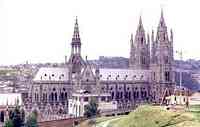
(142, 40)
(52, 97)
(167, 76)
(112, 95)
(143, 59)
(55, 96)
(65, 95)
(166, 59)
(62, 96)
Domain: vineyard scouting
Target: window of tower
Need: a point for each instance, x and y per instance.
(154, 75)
(166, 58)
(167, 76)
(163, 36)
(142, 40)
(143, 60)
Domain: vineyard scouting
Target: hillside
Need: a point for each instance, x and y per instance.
(154, 116)
(148, 116)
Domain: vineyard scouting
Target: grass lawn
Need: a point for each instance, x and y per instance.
(152, 116)
(155, 116)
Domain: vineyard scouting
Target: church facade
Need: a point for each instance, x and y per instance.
(150, 74)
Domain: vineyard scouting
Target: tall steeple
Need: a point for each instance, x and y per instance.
(76, 37)
(162, 35)
(139, 54)
(162, 20)
(76, 41)
(162, 54)
(76, 60)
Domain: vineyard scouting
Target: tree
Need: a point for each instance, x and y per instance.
(17, 117)
(31, 120)
(91, 109)
(8, 123)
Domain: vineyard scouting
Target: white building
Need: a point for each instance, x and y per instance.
(82, 98)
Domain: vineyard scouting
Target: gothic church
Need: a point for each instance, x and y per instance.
(149, 75)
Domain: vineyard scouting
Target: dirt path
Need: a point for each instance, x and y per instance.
(106, 123)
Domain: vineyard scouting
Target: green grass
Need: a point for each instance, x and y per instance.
(154, 116)
(151, 116)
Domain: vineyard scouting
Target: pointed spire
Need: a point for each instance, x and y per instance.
(152, 36)
(140, 21)
(131, 41)
(131, 38)
(171, 36)
(148, 40)
(140, 25)
(162, 20)
(76, 37)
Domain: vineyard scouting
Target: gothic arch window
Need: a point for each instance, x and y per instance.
(52, 97)
(143, 59)
(112, 95)
(142, 40)
(121, 95)
(66, 95)
(62, 96)
(163, 36)
(166, 59)
(129, 95)
(154, 75)
(167, 76)
(44, 97)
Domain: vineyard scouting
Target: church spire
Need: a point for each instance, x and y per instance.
(140, 25)
(76, 41)
(162, 20)
(76, 36)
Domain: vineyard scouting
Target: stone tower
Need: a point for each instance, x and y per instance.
(140, 49)
(75, 61)
(162, 58)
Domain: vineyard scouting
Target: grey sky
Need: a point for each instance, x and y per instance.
(41, 30)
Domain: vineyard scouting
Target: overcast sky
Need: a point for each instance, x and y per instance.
(41, 30)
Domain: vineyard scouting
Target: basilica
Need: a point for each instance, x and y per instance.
(150, 74)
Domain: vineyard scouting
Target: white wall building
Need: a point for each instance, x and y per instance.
(82, 98)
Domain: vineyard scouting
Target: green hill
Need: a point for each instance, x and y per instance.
(151, 116)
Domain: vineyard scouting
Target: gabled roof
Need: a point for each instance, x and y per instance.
(124, 74)
(52, 74)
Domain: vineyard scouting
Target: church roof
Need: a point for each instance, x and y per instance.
(52, 74)
(124, 74)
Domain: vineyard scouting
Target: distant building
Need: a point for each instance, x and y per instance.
(8, 101)
(149, 75)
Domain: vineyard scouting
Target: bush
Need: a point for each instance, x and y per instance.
(31, 121)
(91, 110)
(8, 123)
